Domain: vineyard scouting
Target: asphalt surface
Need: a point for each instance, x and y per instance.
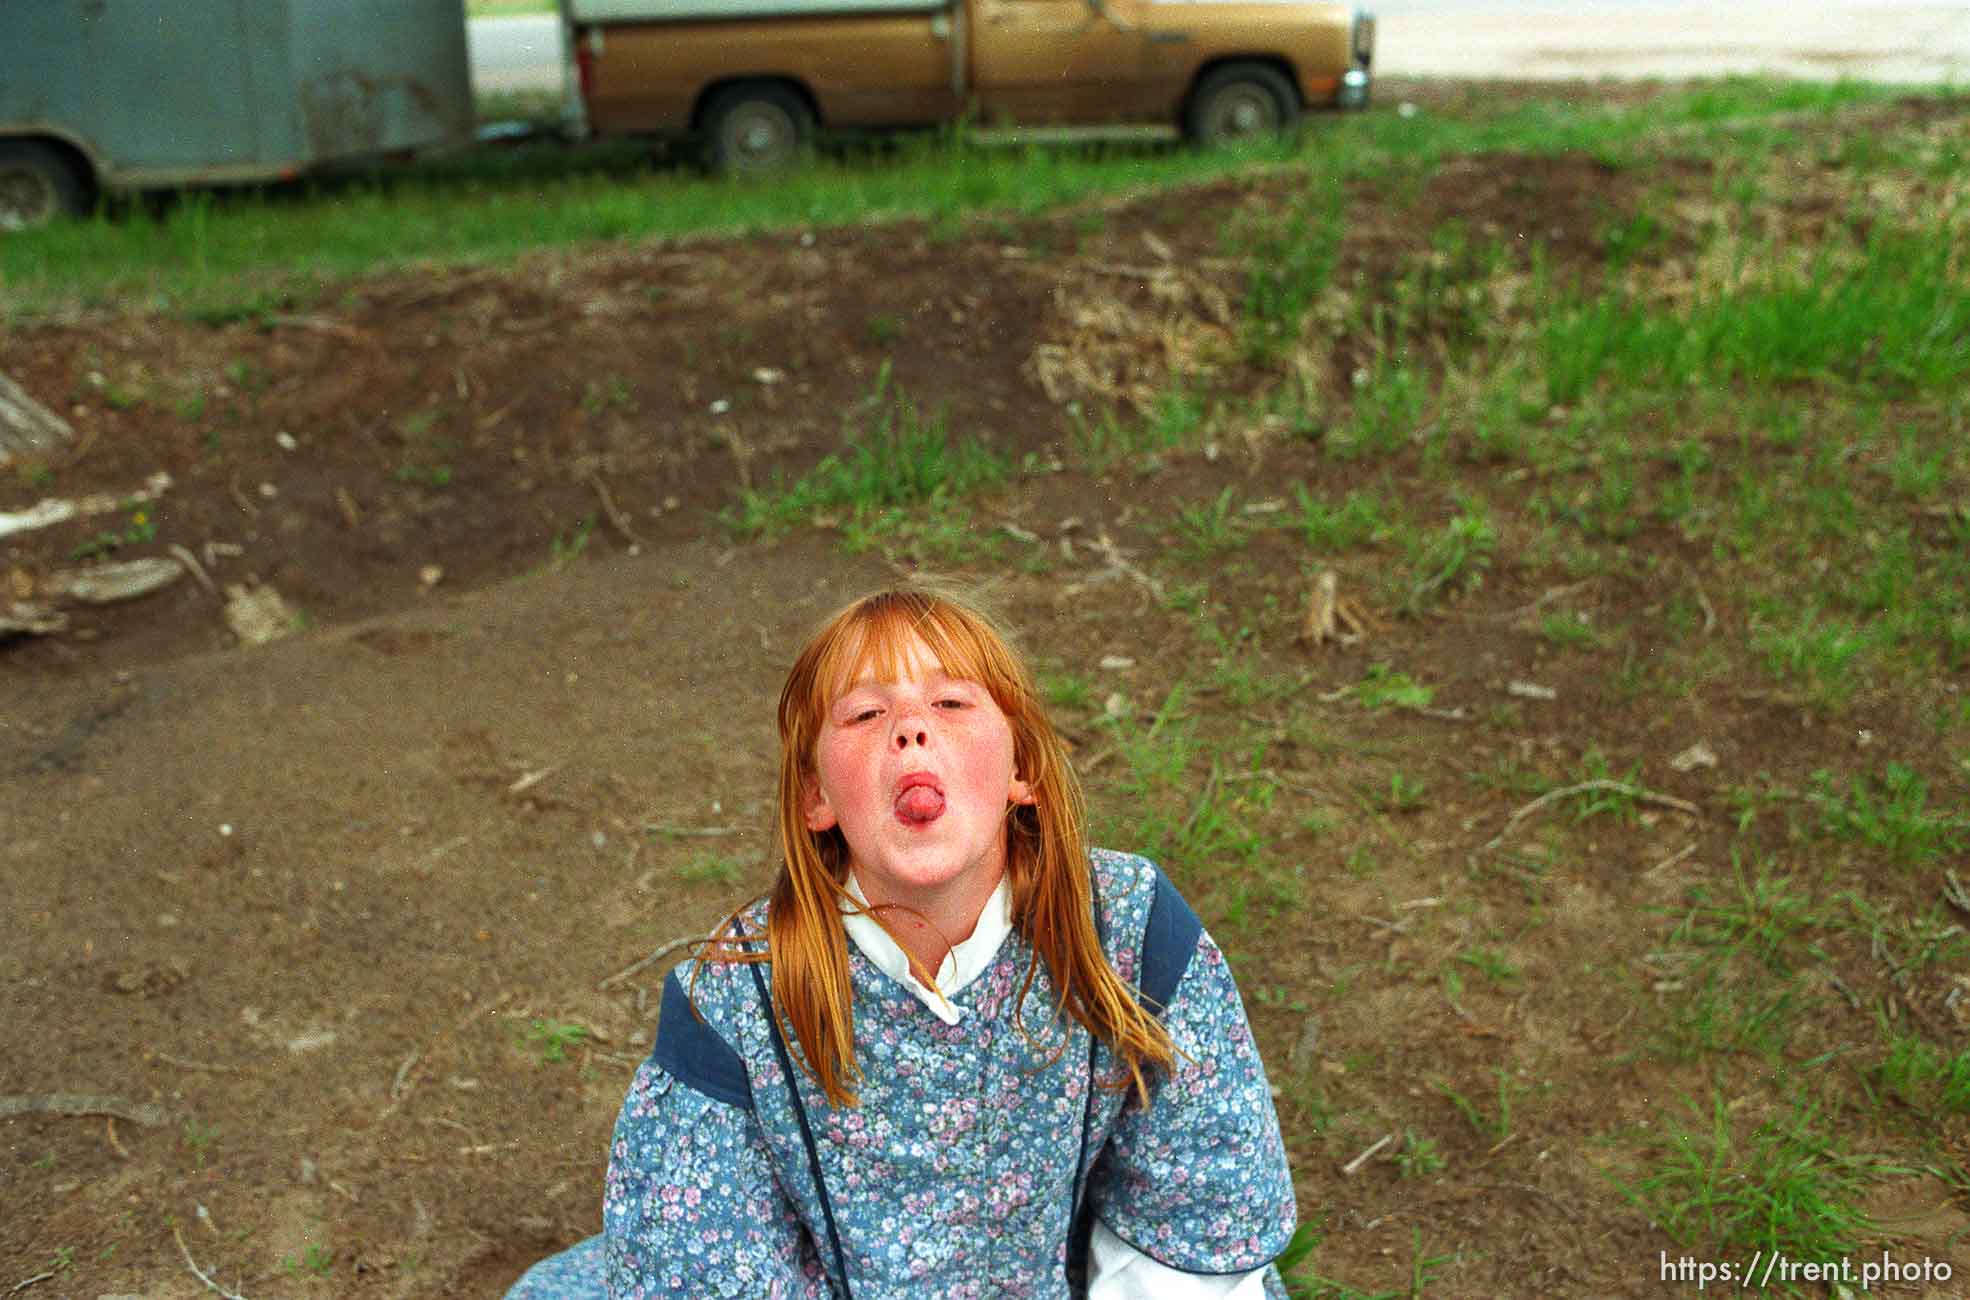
(1878, 40)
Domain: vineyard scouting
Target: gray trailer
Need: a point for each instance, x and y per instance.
(109, 95)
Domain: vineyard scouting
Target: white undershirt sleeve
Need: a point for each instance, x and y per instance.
(1118, 1271)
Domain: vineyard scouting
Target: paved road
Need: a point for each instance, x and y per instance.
(1884, 40)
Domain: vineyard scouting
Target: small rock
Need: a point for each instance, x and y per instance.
(768, 375)
(308, 1171)
(312, 1040)
(257, 616)
(1116, 663)
(1115, 705)
(721, 406)
(431, 575)
(1863, 738)
(671, 503)
(1697, 755)
(1406, 109)
(598, 839)
(285, 441)
(168, 920)
(269, 491)
(1531, 691)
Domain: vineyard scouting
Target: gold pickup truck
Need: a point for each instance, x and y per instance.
(752, 79)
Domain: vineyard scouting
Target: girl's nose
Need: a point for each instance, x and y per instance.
(909, 732)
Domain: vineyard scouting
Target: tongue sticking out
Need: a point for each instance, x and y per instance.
(920, 803)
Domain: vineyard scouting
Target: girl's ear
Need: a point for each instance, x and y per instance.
(1021, 792)
(814, 806)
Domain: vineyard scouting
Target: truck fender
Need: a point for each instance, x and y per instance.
(712, 89)
(1276, 62)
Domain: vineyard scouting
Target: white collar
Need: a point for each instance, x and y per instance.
(965, 962)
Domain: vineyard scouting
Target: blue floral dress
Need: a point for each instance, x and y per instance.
(960, 1172)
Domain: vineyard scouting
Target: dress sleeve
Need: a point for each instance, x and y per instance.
(692, 1207)
(1118, 1271)
(1198, 1181)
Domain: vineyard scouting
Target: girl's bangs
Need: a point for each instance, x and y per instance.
(874, 640)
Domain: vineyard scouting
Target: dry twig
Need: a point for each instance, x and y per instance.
(196, 569)
(73, 1103)
(27, 1282)
(198, 1272)
(1635, 792)
(1672, 859)
(1353, 1166)
(246, 507)
(635, 967)
(616, 516)
(690, 832)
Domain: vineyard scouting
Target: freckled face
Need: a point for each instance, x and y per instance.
(917, 773)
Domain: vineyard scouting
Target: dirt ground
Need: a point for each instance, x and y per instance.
(306, 901)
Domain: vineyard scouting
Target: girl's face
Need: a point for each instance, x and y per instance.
(918, 774)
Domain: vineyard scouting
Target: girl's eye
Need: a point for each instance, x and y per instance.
(864, 715)
(950, 704)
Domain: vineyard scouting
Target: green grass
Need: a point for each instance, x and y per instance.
(550, 1040)
(905, 458)
(230, 255)
(1784, 1186)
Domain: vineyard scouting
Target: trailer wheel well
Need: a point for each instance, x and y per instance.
(1273, 61)
(60, 178)
(711, 91)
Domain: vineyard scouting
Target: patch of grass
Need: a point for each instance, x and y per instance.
(1491, 1128)
(1358, 520)
(1385, 688)
(1418, 1157)
(1891, 814)
(1452, 560)
(1211, 528)
(1066, 690)
(1290, 261)
(1494, 966)
(140, 528)
(549, 1039)
(1387, 413)
(905, 458)
(709, 869)
(316, 1259)
(1880, 310)
(1827, 657)
(939, 530)
(1785, 1187)
(1723, 1010)
(199, 1138)
(1925, 1077)
(568, 545)
(1760, 913)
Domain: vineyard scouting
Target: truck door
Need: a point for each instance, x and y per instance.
(1057, 61)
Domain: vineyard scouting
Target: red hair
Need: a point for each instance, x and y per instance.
(1046, 843)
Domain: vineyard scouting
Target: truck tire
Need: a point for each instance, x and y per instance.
(1240, 101)
(37, 185)
(755, 129)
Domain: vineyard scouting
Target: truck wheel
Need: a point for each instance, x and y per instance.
(755, 129)
(1240, 101)
(37, 184)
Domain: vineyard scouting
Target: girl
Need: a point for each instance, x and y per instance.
(955, 1052)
